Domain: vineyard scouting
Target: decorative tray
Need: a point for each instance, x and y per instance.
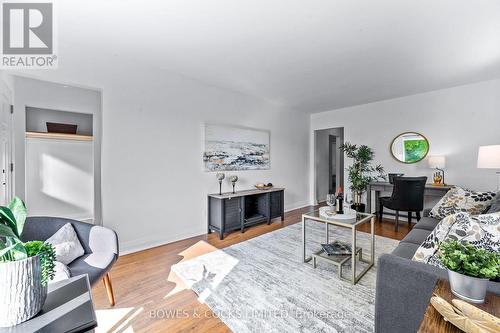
(348, 214)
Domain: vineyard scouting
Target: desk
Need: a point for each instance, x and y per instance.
(377, 187)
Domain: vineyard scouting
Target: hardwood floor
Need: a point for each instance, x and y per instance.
(150, 298)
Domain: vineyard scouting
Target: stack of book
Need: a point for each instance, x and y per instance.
(337, 248)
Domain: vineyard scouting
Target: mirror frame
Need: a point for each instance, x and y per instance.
(410, 132)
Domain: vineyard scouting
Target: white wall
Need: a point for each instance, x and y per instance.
(456, 121)
(153, 186)
(47, 95)
(60, 178)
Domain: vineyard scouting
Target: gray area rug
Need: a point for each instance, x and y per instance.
(261, 285)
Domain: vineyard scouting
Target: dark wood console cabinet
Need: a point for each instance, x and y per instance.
(237, 211)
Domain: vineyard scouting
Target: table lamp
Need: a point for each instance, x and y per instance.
(438, 163)
(489, 158)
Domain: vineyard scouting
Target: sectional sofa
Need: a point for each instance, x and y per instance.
(404, 287)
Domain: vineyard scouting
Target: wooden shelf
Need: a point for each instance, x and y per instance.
(59, 136)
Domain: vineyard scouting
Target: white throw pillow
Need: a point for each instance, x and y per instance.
(66, 244)
(61, 272)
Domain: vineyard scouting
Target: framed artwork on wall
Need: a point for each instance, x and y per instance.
(235, 148)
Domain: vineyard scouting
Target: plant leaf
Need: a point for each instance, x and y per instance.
(8, 218)
(19, 252)
(5, 231)
(19, 211)
(7, 249)
(14, 249)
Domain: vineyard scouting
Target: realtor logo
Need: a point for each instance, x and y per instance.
(28, 35)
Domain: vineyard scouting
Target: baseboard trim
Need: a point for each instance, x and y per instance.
(142, 245)
(296, 206)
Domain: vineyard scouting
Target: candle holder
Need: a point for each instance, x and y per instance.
(233, 179)
(220, 177)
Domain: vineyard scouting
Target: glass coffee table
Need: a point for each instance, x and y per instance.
(340, 260)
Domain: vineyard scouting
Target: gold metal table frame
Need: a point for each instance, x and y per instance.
(361, 218)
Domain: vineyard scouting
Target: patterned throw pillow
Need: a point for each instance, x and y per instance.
(429, 247)
(482, 231)
(495, 205)
(462, 200)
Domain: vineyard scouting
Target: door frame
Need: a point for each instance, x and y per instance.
(8, 109)
(314, 153)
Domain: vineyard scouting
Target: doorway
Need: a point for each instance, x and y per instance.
(332, 167)
(329, 162)
(6, 166)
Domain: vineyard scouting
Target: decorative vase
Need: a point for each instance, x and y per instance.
(358, 205)
(468, 288)
(360, 208)
(22, 294)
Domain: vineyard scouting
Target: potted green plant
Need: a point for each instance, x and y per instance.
(469, 269)
(361, 172)
(25, 268)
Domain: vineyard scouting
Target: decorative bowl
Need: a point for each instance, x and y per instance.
(262, 186)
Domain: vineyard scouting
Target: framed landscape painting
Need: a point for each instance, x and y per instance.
(235, 148)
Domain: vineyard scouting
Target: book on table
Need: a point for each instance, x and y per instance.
(337, 248)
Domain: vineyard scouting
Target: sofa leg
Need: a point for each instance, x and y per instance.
(409, 218)
(418, 216)
(109, 289)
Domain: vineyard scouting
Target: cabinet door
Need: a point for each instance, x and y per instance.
(276, 204)
(232, 214)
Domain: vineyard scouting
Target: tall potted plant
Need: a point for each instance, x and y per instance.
(25, 268)
(469, 269)
(361, 172)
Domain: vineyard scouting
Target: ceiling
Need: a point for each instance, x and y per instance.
(310, 56)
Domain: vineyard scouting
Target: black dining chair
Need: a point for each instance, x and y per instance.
(407, 196)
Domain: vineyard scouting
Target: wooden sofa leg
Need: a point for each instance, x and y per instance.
(109, 289)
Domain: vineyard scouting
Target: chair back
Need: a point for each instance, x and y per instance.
(408, 193)
(42, 228)
(394, 175)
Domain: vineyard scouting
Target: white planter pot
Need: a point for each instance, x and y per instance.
(467, 287)
(22, 294)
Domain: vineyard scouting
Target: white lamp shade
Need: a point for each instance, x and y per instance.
(489, 157)
(438, 162)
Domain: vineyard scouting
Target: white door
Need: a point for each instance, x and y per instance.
(5, 152)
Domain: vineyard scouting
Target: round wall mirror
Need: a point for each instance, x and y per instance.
(410, 147)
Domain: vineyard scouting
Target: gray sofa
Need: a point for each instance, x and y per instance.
(404, 287)
(100, 245)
